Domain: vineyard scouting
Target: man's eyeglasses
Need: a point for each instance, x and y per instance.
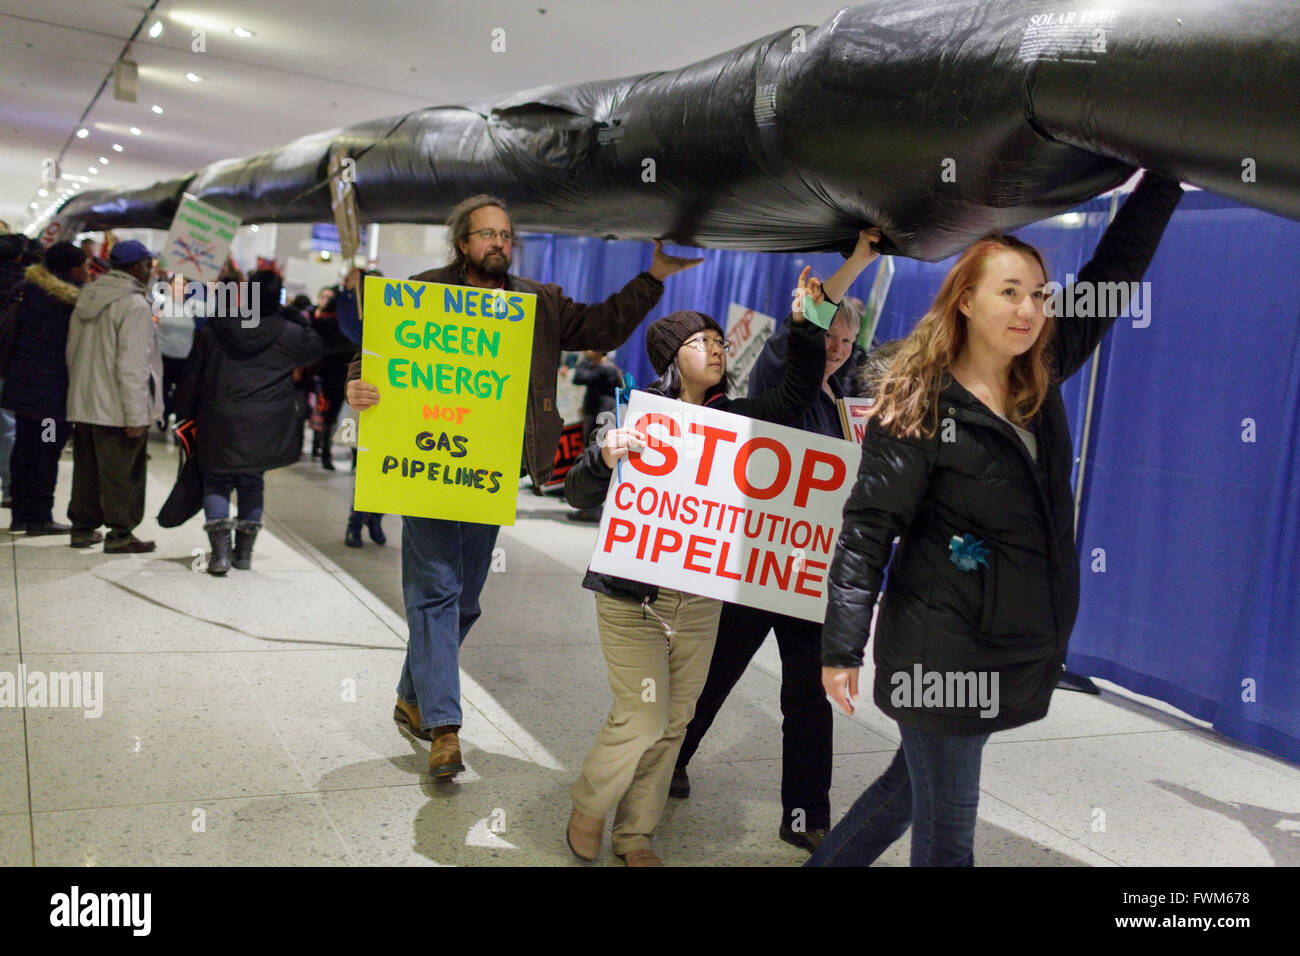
(487, 235)
(706, 344)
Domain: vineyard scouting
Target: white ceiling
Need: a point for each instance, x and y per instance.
(311, 65)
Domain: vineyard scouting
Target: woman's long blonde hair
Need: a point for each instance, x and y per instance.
(907, 396)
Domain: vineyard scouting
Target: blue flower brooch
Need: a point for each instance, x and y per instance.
(967, 552)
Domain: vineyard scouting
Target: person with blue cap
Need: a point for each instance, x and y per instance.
(114, 391)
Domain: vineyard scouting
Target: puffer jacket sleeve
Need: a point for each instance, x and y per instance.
(893, 477)
(135, 344)
(185, 401)
(587, 482)
(802, 378)
(1122, 256)
(305, 346)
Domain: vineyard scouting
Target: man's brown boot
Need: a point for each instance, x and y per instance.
(444, 753)
(584, 835)
(408, 716)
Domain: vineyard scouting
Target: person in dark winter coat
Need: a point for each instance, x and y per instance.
(349, 321)
(806, 729)
(967, 460)
(332, 374)
(12, 246)
(630, 766)
(239, 389)
(36, 385)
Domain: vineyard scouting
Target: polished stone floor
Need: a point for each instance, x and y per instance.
(247, 721)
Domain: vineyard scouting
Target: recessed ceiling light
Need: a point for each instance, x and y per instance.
(93, 169)
(35, 205)
(135, 131)
(253, 227)
(42, 192)
(155, 31)
(103, 160)
(117, 147)
(83, 133)
(157, 109)
(193, 77)
(242, 33)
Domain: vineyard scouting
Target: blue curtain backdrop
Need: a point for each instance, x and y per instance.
(1199, 530)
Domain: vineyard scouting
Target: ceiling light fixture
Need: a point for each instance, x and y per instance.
(156, 30)
(94, 170)
(117, 147)
(241, 33)
(83, 133)
(103, 160)
(135, 131)
(193, 77)
(42, 192)
(157, 109)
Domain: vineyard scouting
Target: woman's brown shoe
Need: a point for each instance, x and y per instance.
(408, 716)
(584, 835)
(444, 753)
(646, 857)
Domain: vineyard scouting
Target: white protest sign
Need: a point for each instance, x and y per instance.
(199, 240)
(726, 507)
(748, 332)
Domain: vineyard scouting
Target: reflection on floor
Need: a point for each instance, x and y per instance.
(247, 721)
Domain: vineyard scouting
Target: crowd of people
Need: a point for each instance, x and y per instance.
(91, 353)
(987, 359)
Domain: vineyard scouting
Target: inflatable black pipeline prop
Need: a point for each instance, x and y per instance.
(936, 121)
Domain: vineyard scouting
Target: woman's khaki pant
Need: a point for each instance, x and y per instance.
(656, 679)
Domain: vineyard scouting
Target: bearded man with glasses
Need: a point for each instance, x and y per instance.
(445, 563)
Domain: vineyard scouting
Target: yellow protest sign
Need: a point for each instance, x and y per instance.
(451, 364)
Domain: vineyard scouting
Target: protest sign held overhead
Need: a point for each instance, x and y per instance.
(199, 240)
(726, 507)
(451, 364)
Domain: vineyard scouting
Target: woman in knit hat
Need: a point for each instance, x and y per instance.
(631, 763)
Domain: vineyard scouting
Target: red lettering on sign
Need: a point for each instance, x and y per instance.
(783, 466)
(693, 550)
(807, 480)
(612, 536)
(668, 452)
(618, 502)
(661, 536)
(803, 576)
(712, 436)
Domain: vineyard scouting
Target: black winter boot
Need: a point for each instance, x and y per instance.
(352, 538)
(219, 537)
(245, 535)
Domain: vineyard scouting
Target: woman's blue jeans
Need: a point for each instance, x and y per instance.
(933, 784)
(216, 495)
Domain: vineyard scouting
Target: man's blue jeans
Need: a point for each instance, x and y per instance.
(932, 784)
(444, 567)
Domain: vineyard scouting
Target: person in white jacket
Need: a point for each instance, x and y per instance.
(114, 392)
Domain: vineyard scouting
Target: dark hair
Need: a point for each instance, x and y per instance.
(34, 253)
(268, 284)
(62, 257)
(301, 302)
(458, 222)
(12, 246)
(670, 384)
